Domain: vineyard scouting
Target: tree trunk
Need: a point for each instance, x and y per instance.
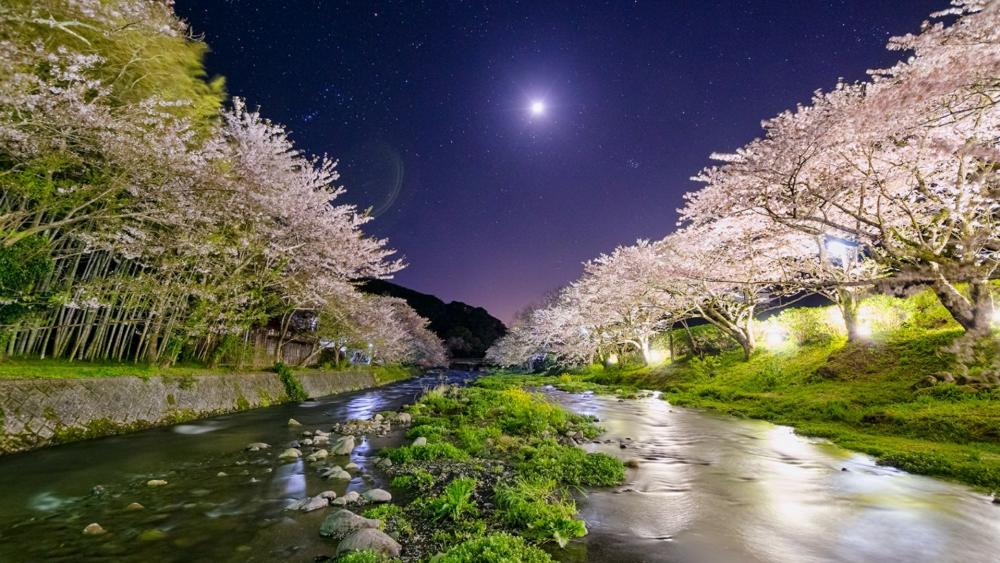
(974, 313)
(848, 303)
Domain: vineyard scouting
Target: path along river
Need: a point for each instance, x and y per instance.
(707, 489)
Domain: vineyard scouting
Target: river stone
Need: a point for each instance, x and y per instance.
(94, 529)
(420, 442)
(369, 538)
(321, 440)
(339, 473)
(404, 418)
(343, 446)
(290, 453)
(318, 455)
(257, 446)
(328, 495)
(307, 441)
(377, 495)
(155, 483)
(343, 523)
(315, 503)
(352, 496)
(135, 506)
(293, 422)
(152, 534)
(352, 467)
(297, 504)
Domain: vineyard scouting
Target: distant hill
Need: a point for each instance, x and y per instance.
(466, 330)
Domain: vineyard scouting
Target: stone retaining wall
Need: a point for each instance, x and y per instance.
(41, 412)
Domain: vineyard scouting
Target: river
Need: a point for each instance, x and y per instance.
(707, 489)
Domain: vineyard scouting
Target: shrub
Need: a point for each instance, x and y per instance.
(494, 548)
(538, 510)
(293, 387)
(811, 325)
(572, 466)
(456, 501)
(393, 519)
(407, 454)
(414, 480)
(365, 556)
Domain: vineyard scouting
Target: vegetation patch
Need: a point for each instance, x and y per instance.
(493, 480)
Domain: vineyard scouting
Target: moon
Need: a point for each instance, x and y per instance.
(537, 107)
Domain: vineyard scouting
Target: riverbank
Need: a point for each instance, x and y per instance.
(867, 397)
(46, 403)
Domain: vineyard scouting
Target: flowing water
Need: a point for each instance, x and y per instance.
(717, 489)
(47, 497)
(707, 489)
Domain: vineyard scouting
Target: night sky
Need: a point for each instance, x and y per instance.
(428, 107)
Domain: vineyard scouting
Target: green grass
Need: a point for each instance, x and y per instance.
(859, 396)
(497, 459)
(62, 369)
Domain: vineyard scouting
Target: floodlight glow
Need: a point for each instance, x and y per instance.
(863, 330)
(612, 359)
(774, 336)
(537, 107)
(657, 356)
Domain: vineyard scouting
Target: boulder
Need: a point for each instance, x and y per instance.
(316, 503)
(377, 495)
(343, 523)
(404, 418)
(369, 539)
(293, 422)
(317, 455)
(94, 529)
(290, 453)
(329, 495)
(338, 474)
(352, 467)
(343, 446)
(351, 497)
(420, 442)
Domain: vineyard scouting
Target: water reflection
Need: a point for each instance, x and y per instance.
(713, 488)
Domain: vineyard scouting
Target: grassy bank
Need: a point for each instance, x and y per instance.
(865, 397)
(63, 369)
(492, 481)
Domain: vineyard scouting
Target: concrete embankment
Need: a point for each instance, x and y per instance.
(41, 412)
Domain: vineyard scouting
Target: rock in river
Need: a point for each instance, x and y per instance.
(377, 495)
(369, 538)
(290, 453)
(293, 422)
(343, 446)
(420, 442)
(94, 529)
(135, 506)
(156, 483)
(343, 523)
(316, 503)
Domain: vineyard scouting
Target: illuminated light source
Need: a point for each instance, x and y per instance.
(841, 251)
(612, 359)
(537, 107)
(996, 316)
(863, 330)
(774, 336)
(657, 356)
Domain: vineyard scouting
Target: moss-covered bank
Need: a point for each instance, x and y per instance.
(487, 476)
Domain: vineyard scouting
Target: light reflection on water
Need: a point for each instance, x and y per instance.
(713, 488)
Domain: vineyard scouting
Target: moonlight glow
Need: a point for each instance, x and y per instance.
(537, 108)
